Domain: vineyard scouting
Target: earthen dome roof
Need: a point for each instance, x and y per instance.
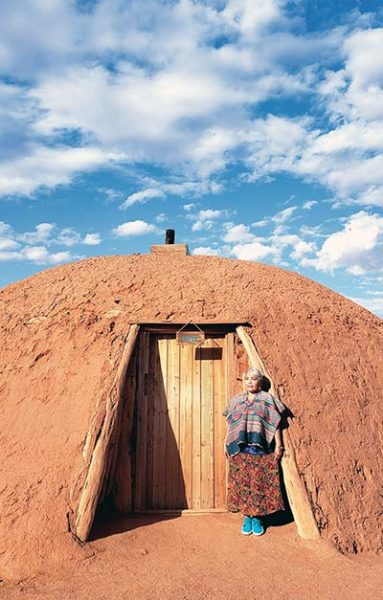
(63, 332)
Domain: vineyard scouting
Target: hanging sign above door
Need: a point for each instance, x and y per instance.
(194, 338)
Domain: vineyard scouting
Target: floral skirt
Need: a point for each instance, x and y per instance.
(254, 484)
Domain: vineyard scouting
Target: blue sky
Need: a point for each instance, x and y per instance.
(252, 127)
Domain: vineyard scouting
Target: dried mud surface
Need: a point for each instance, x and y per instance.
(203, 558)
(62, 335)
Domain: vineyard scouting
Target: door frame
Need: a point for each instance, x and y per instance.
(221, 329)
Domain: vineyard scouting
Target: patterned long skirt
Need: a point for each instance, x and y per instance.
(254, 485)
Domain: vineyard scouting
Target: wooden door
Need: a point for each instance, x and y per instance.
(181, 394)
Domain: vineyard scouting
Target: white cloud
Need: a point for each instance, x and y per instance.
(356, 270)
(48, 167)
(348, 157)
(238, 233)
(7, 256)
(251, 17)
(5, 228)
(185, 187)
(7, 238)
(42, 233)
(111, 194)
(301, 248)
(311, 230)
(133, 228)
(281, 241)
(40, 255)
(210, 213)
(204, 219)
(32, 245)
(253, 251)
(372, 196)
(350, 176)
(355, 91)
(160, 188)
(130, 98)
(184, 106)
(92, 239)
(272, 246)
(284, 215)
(139, 85)
(142, 196)
(8, 244)
(206, 251)
(358, 247)
(189, 207)
(364, 96)
(68, 237)
(261, 223)
(45, 34)
(309, 204)
(351, 136)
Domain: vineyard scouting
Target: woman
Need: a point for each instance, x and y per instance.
(254, 446)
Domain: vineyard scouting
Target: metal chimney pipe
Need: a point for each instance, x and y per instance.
(170, 236)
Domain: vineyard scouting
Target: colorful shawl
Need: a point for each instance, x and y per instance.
(252, 422)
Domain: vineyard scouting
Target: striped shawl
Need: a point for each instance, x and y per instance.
(252, 422)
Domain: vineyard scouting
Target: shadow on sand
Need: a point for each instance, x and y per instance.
(108, 522)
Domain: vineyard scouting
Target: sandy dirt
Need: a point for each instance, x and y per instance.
(204, 557)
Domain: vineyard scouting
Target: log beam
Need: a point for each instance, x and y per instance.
(295, 489)
(100, 438)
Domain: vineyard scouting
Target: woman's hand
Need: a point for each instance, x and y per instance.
(278, 452)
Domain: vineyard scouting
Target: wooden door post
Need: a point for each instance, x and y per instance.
(296, 491)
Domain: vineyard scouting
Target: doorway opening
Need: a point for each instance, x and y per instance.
(175, 400)
(159, 446)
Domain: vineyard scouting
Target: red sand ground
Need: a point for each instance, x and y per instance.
(204, 558)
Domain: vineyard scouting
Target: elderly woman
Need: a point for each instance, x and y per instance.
(254, 446)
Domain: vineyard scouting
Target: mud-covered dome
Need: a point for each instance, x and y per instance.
(62, 336)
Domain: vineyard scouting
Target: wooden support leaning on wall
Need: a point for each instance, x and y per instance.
(101, 438)
(296, 491)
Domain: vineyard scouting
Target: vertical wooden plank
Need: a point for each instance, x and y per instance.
(143, 367)
(230, 371)
(157, 441)
(151, 400)
(219, 370)
(159, 423)
(172, 425)
(241, 364)
(230, 365)
(186, 438)
(196, 433)
(123, 475)
(207, 393)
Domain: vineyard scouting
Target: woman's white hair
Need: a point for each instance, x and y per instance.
(254, 373)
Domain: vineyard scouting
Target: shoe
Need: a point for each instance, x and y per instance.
(247, 526)
(256, 526)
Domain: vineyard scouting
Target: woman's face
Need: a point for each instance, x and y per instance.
(252, 383)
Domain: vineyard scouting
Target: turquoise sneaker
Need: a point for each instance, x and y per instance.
(247, 526)
(257, 527)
